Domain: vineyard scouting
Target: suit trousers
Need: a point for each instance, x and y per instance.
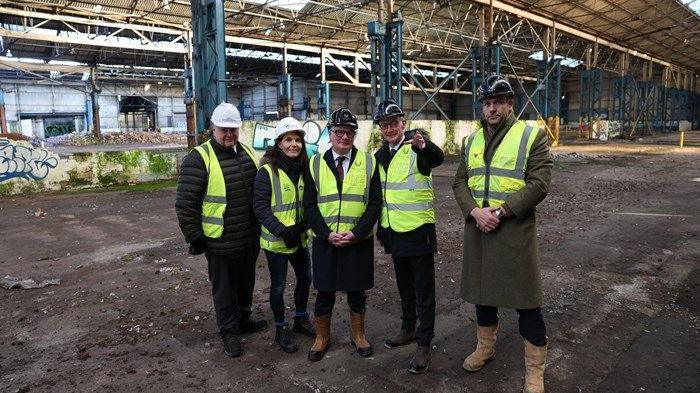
(232, 281)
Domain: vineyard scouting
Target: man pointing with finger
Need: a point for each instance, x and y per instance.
(504, 173)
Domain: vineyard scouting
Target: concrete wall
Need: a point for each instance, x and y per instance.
(27, 169)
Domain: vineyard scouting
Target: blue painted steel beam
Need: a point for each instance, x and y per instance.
(209, 58)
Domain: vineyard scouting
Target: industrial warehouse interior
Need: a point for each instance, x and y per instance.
(102, 104)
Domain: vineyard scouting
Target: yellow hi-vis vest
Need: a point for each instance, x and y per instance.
(408, 194)
(286, 205)
(214, 202)
(505, 174)
(341, 212)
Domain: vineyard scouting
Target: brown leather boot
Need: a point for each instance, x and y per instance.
(323, 338)
(535, 358)
(485, 348)
(357, 329)
(404, 337)
(419, 362)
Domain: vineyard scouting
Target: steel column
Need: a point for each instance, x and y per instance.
(209, 58)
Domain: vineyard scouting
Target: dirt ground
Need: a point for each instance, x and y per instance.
(619, 251)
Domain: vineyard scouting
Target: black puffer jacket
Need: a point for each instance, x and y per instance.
(241, 229)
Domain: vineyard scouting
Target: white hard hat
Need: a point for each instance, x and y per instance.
(288, 124)
(226, 116)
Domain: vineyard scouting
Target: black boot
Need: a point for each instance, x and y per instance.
(421, 359)
(233, 346)
(285, 338)
(304, 326)
(249, 325)
(404, 337)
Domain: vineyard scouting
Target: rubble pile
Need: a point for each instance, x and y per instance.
(116, 138)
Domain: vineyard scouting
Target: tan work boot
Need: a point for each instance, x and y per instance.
(323, 338)
(485, 348)
(535, 358)
(357, 330)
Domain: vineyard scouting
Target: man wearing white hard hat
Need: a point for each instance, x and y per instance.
(277, 201)
(214, 207)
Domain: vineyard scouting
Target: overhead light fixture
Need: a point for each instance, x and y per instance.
(317, 75)
(146, 87)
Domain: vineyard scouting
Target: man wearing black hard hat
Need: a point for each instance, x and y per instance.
(504, 173)
(407, 226)
(342, 200)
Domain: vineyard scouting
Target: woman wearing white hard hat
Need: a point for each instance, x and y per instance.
(277, 200)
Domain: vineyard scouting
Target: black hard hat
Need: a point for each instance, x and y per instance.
(342, 117)
(495, 86)
(387, 108)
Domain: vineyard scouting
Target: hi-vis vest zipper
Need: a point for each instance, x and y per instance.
(341, 212)
(286, 205)
(505, 174)
(408, 194)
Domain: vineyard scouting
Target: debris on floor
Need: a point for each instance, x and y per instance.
(9, 282)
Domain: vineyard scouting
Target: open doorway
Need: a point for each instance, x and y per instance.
(137, 114)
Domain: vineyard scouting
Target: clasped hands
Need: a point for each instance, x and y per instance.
(485, 217)
(342, 239)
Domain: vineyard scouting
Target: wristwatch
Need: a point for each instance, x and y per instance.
(500, 213)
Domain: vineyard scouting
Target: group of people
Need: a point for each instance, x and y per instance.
(229, 207)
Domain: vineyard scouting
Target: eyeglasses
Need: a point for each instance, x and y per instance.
(228, 130)
(341, 133)
(385, 126)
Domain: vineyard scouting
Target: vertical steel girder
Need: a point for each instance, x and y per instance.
(647, 103)
(625, 94)
(284, 95)
(324, 100)
(591, 95)
(486, 60)
(386, 58)
(209, 58)
(548, 95)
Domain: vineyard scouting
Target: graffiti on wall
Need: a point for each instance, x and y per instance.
(22, 160)
(54, 126)
(316, 137)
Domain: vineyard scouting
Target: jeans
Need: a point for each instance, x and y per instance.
(530, 322)
(277, 263)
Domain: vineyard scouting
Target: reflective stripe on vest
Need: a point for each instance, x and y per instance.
(214, 201)
(341, 212)
(286, 206)
(505, 174)
(408, 194)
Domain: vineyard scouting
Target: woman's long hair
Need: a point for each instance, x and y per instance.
(275, 154)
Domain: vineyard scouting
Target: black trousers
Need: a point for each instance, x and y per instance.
(415, 278)
(530, 322)
(325, 301)
(232, 281)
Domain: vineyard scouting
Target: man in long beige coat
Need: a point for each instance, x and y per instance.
(504, 172)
